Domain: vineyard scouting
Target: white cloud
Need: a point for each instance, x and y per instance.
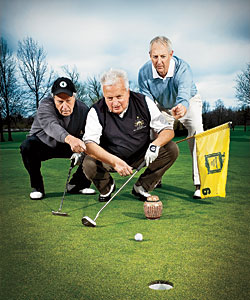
(216, 87)
(212, 36)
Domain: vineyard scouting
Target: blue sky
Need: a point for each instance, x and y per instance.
(212, 36)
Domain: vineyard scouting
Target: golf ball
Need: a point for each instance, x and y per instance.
(138, 237)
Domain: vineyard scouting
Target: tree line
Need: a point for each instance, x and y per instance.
(26, 79)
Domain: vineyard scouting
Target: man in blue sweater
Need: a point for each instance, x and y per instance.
(168, 80)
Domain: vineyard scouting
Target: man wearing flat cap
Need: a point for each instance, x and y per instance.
(57, 132)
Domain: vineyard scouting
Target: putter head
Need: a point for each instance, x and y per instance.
(86, 221)
(59, 213)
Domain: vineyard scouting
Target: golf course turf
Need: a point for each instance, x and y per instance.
(202, 247)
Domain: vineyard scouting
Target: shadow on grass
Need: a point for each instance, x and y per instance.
(103, 226)
(134, 215)
(141, 216)
(173, 191)
(69, 211)
(239, 139)
(181, 193)
(86, 206)
(115, 224)
(143, 241)
(68, 195)
(52, 195)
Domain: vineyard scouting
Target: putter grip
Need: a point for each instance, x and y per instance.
(143, 164)
(72, 163)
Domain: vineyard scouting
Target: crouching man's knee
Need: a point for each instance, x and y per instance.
(173, 150)
(168, 154)
(89, 167)
(28, 146)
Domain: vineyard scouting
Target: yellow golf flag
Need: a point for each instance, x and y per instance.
(212, 147)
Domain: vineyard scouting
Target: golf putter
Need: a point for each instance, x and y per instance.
(86, 221)
(59, 211)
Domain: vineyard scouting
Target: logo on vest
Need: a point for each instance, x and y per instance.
(139, 124)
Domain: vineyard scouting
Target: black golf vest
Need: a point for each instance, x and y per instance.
(127, 137)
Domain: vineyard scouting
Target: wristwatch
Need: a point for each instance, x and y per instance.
(152, 148)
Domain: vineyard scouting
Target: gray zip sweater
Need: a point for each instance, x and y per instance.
(51, 127)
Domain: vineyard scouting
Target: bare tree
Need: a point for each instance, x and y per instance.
(94, 89)
(243, 87)
(219, 111)
(1, 123)
(74, 75)
(205, 107)
(243, 93)
(205, 113)
(34, 69)
(10, 94)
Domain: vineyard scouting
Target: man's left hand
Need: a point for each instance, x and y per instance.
(178, 111)
(151, 154)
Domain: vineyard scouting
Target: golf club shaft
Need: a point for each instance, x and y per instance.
(136, 171)
(70, 169)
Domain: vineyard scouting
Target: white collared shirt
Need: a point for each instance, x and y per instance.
(93, 129)
(170, 72)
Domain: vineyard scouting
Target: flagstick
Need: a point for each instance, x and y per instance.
(193, 136)
(188, 138)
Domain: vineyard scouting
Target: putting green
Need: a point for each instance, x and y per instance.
(200, 246)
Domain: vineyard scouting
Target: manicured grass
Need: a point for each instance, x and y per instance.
(201, 246)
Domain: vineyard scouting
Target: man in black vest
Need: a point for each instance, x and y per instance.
(117, 138)
(56, 132)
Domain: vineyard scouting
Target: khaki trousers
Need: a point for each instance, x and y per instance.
(193, 122)
(99, 173)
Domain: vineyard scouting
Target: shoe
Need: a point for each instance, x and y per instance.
(74, 189)
(106, 197)
(36, 195)
(140, 193)
(197, 194)
(87, 191)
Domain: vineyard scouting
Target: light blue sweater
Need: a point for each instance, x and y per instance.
(171, 91)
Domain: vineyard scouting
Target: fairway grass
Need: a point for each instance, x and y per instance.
(201, 246)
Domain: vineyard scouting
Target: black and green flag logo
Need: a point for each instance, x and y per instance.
(214, 162)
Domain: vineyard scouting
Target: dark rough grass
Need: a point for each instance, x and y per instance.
(201, 246)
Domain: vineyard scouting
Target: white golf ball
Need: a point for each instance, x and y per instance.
(138, 237)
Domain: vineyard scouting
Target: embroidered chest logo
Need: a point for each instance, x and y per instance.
(139, 123)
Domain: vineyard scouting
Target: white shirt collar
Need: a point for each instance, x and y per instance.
(170, 70)
(121, 115)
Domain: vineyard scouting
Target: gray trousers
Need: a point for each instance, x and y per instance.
(99, 173)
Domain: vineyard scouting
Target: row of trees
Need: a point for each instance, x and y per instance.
(220, 115)
(26, 79)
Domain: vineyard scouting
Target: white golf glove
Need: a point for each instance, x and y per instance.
(77, 158)
(151, 154)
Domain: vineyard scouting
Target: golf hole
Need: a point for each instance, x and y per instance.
(160, 285)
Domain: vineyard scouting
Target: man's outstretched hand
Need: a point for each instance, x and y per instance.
(76, 144)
